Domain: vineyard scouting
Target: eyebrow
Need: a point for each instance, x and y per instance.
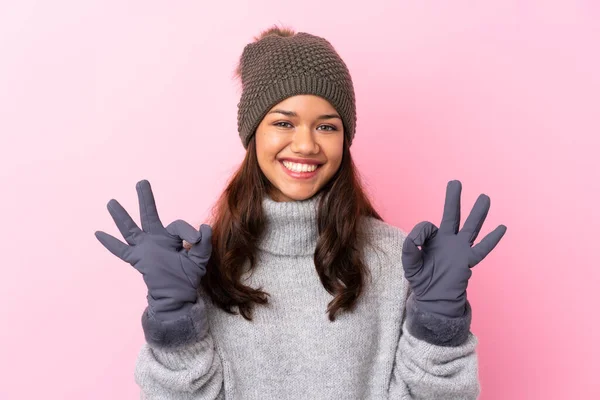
(294, 114)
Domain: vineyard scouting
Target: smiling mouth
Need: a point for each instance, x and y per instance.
(299, 167)
(299, 170)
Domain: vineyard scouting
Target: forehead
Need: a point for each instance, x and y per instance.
(305, 103)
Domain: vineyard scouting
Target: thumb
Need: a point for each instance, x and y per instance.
(201, 251)
(412, 257)
(183, 231)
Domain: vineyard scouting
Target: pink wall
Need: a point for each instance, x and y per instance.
(96, 95)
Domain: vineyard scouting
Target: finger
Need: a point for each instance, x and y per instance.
(412, 257)
(124, 222)
(487, 244)
(422, 232)
(114, 245)
(451, 217)
(200, 252)
(476, 218)
(184, 231)
(148, 213)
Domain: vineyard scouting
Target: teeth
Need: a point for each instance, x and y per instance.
(299, 167)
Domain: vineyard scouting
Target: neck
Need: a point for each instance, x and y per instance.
(291, 227)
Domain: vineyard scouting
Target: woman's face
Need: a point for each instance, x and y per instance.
(299, 146)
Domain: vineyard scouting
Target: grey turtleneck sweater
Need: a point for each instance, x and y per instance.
(292, 351)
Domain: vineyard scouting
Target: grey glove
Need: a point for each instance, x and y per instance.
(171, 272)
(439, 273)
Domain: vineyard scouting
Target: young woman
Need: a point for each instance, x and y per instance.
(299, 290)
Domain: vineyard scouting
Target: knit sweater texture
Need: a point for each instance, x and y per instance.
(291, 350)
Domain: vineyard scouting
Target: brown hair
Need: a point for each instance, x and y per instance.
(238, 223)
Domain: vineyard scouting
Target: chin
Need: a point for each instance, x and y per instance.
(296, 195)
(302, 197)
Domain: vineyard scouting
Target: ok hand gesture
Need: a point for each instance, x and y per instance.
(439, 272)
(171, 272)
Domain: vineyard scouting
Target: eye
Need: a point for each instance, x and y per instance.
(331, 128)
(285, 124)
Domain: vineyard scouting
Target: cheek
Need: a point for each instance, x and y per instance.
(267, 149)
(334, 150)
(268, 146)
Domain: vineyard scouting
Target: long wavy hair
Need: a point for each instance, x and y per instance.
(238, 222)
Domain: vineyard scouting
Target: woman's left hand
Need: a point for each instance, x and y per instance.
(439, 272)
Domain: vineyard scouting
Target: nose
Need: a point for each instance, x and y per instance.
(303, 142)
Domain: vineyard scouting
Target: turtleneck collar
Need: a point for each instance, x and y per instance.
(291, 227)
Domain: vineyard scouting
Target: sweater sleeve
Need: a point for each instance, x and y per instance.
(179, 360)
(435, 358)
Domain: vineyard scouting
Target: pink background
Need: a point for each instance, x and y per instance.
(96, 95)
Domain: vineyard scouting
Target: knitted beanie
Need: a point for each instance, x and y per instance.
(276, 67)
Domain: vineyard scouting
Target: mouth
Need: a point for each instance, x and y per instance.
(300, 169)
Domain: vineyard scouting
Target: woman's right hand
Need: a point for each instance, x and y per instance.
(172, 273)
